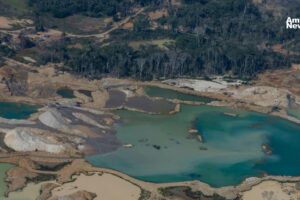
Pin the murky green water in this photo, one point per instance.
(66, 93)
(3, 186)
(163, 152)
(16, 110)
(171, 94)
(298, 75)
(295, 112)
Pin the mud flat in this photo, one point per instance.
(126, 99)
(145, 104)
(173, 94)
(116, 99)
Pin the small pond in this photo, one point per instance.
(66, 93)
(16, 110)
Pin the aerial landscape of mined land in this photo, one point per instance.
(149, 99)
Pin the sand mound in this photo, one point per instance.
(54, 119)
(26, 139)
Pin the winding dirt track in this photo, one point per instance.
(98, 35)
(115, 27)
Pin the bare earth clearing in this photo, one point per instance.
(48, 148)
(71, 126)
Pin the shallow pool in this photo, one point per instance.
(164, 152)
(66, 93)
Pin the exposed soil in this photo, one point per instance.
(89, 122)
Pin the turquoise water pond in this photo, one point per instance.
(171, 94)
(163, 152)
(16, 110)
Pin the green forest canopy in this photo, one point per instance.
(210, 37)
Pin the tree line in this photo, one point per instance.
(93, 8)
(209, 37)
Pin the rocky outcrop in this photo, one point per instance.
(194, 133)
(267, 149)
(28, 139)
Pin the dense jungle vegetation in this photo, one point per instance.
(205, 37)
